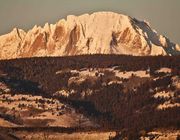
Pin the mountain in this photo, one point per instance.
(98, 33)
(90, 97)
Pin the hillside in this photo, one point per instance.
(130, 96)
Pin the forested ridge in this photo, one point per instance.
(115, 106)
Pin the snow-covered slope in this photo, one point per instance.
(101, 32)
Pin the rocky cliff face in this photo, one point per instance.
(98, 33)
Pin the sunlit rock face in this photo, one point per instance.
(98, 33)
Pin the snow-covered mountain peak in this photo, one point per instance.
(100, 32)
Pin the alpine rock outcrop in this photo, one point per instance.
(98, 33)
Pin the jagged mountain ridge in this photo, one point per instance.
(98, 33)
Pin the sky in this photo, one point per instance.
(163, 15)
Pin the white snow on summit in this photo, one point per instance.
(98, 33)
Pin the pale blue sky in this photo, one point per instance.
(163, 15)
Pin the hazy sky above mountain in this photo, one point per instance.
(163, 15)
